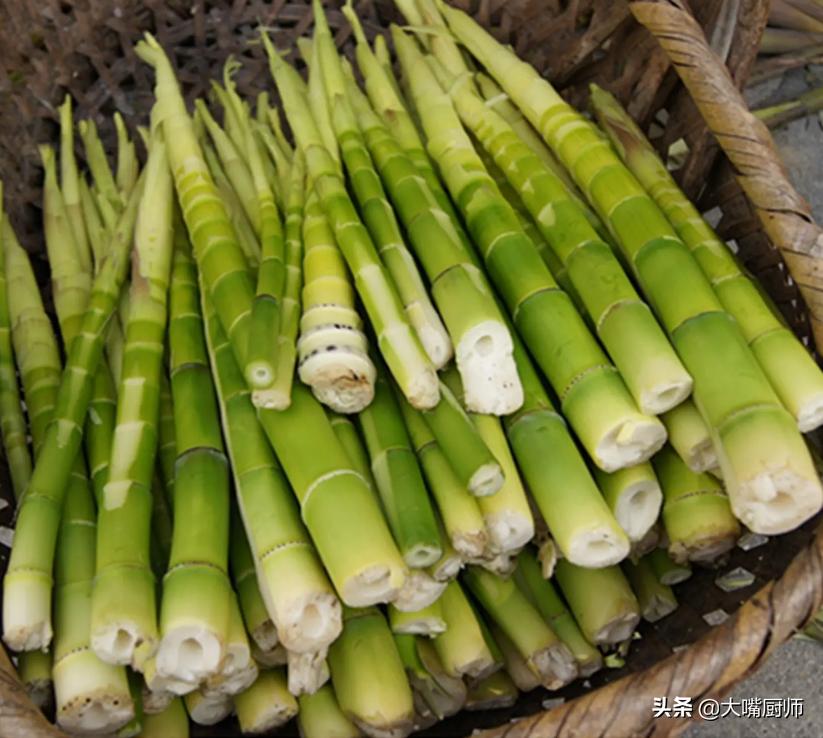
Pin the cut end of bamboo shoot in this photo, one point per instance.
(307, 672)
(769, 474)
(157, 682)
(342, 380)
(190, 653)
(638, 507)
(432, 335)
(40, 693)
(486, 480)
(555, 665)
(425, 624)
(92, 698)
(618, 629)
(27, 611)
(508, 530)
(272, 398)
(156, 701)
(702, 457)
(277, 656)
(449, 566)
(392, 731)
(419, 591)
(116, 643)
(658, 607)
(423, 389)
(597, 547)
(238, 681)
(630, 443)
(470, 545)
(311, 623)
(502, 564)
(373, 585)
(237, 673)
(265, 636)
(776, 501)
(547, 555)
(484, 359)
(810, 415)
(706, 549)
(663, 397)
(208, 710)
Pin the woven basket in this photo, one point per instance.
(654, 56)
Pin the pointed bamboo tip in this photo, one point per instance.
(354, 22)
(47, 157)
(447, 11)
(601, 97)
(148, 49)
(321, 23)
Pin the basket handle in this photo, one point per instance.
(785, 215)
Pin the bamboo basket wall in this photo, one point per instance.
(655, 56)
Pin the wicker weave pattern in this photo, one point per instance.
(84, 47)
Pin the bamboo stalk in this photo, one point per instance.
(515, 615)
(396, 340)
(506, 513)
(12, 422)
(656, 599)
(128, 166)
(786, 363)
(320, 716)
(459, 510)
(494, 692)
(696, 511)
(545, 598)
(172, 722)
(333, 350)
(216, 250)
(208, 710)
(368, 676)
(377, 213)
(296, 590)
(462, 648)
(329, 489)
(266, 705)
(690, 437)
(623, 322)
(666, 569)
(523, 676)
(307, 672)
(290, 314)
(89, 694)
(602, 601)
(577, 516)
(243, 229)
(634, 496)
(27, 584)
(592, 394)
(427, 621)
(396, 472)
(97, 162)
(256, 617)
(437, 695)
(237, 670)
